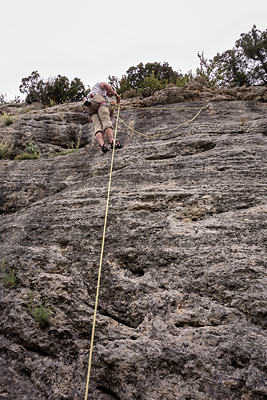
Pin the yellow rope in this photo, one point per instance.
(165, 133)
(100, 265)
(156, 108)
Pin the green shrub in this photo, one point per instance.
(27, 156)
(154, 75)
(184, 79)
(9, 274)
(7, 119)
(154, 83)
(54, 90)
(32, 153)
(38, 310)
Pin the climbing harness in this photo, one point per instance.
(106, 215)
(100, 263)
(88, 102)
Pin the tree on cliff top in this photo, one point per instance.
(55, 90)
(246, 63)
(254, 48)
(141, 76)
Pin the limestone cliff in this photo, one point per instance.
(182, 306)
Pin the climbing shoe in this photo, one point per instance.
(117, 145)
(104, 148)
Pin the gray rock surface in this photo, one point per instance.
(182, 306)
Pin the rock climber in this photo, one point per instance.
(97, 107)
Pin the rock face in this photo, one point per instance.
(182, 303)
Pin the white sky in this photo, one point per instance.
(94, 39)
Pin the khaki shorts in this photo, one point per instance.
(99, 114)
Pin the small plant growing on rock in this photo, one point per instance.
(5, 150)
(31, 153)
(72, 148)
(9, 274)
(38, 310)
(52, 103)
(7, 119)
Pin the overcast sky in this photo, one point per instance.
(94, 39)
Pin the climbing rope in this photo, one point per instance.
(168, 132)
(122, 107)
(100, 264)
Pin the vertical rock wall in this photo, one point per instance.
(182, 306)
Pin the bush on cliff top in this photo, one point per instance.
(53, 91)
